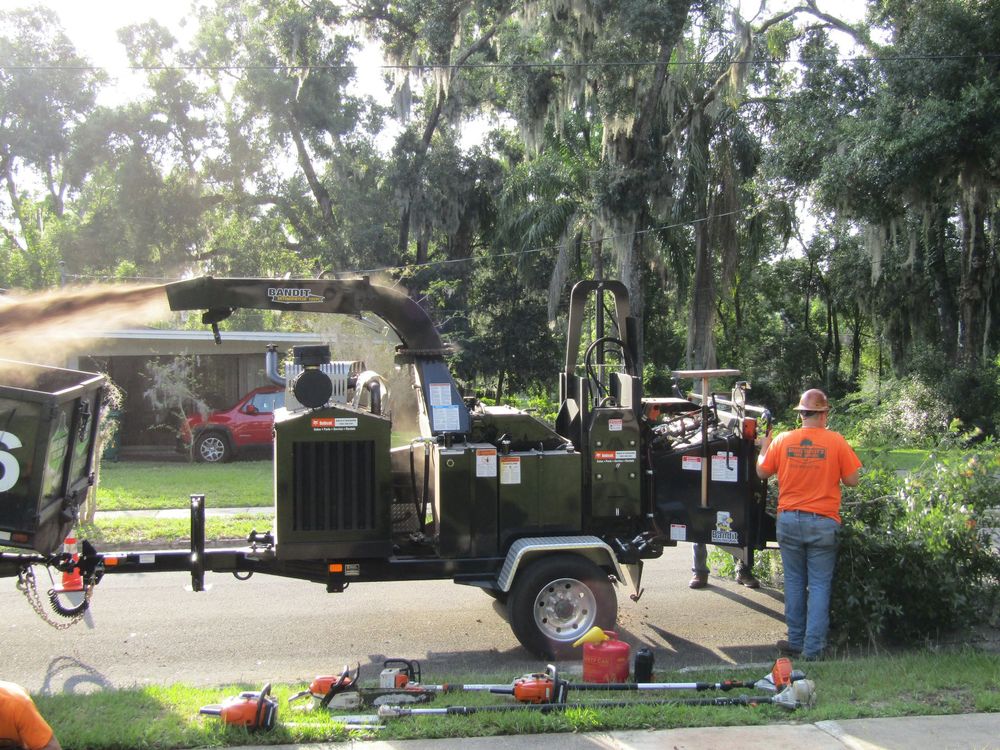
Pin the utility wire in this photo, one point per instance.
(530, 251)
(447, 261)
(490, 66)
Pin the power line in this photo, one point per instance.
(488, 66)
(531, 251)
(448, 261)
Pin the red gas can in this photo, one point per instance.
(606, 661)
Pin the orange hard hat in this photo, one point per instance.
(813, 400)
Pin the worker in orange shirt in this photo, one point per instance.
(21, 726)
(811, 463)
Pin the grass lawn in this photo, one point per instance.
(160, 717)
(149, 485)
(108, 533)
(899, 459)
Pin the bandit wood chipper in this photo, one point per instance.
(547, 519)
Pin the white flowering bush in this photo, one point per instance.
(901, 413)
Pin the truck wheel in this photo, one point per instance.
(212, 448)
(556, 600)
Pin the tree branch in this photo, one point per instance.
(319, 191)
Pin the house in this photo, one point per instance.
(224, 372)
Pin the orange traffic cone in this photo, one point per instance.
(71, 579)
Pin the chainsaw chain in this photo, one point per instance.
(27, 585)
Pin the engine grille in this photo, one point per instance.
(334, 486)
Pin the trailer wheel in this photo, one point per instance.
(556, 600)
(212, 448)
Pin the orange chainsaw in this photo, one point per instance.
(250, 709)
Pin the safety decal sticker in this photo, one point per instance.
(486, 462)
(440, 394)
(614, 425)
(334, 424)
(510, 470)
(445, 418)
(724, 467)
(614, 456)
(723, 532)
(290, 294)
(691, 463)
(678, 532)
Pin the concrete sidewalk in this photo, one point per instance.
(953, 732)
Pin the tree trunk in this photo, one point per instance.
(975, 277)
(942, 289)
(319, 191)
(857, 325)
(700, 342)
(7, 165)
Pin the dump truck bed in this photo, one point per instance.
(48, 431)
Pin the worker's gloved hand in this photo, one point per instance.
(765, 424)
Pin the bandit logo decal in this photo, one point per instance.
(289, 295)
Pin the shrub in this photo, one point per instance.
(916, 559)
(900, 413)
(936, 405)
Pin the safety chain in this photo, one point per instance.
(27, 585)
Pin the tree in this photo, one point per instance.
(46, 92)
(919, 155)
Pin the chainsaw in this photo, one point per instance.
(250, 709)
(399, 682)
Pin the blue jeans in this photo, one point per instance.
(808, 555)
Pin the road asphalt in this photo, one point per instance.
(953, 732)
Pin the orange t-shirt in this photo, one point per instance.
(810, 462)
(20, 720)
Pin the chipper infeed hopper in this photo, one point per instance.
(48, 431)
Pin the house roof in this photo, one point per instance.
(158, 341)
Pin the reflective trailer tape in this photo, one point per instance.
(5, 535)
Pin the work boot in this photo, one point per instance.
(698, 581)
(745, 578)
(787, 649)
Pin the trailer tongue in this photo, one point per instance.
(545, 519)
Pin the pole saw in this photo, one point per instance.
(799, 694)
(548, 687)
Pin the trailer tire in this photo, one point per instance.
(557, 599)
(212, 448)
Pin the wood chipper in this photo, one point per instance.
(547, 519)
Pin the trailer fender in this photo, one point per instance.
(524, 550)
